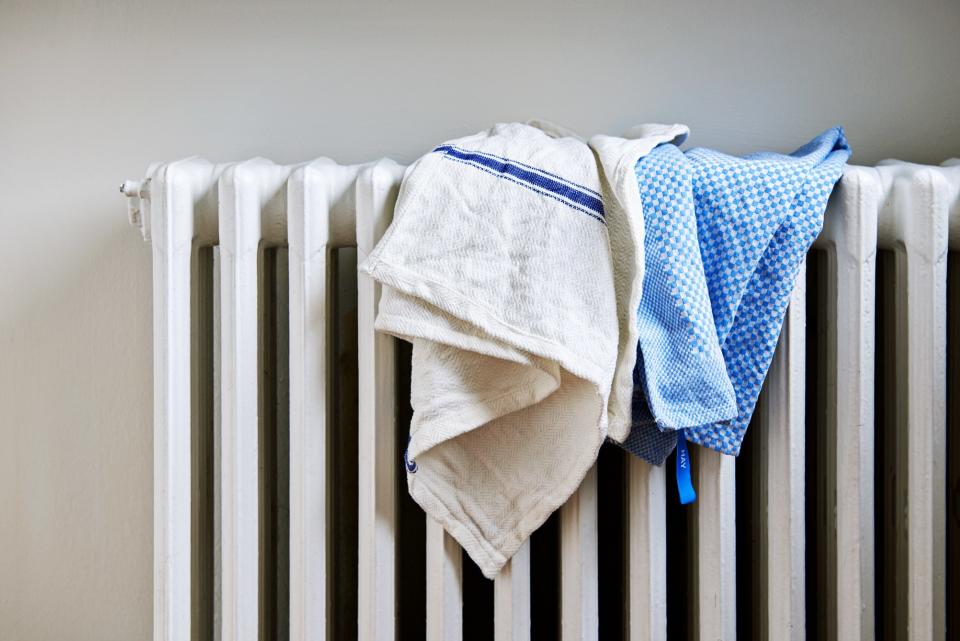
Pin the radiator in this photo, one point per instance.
(280, 510)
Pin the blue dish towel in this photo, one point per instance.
(724, 240)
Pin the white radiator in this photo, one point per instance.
(280, 510)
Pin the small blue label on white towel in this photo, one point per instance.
(409, 462)
(684, 484)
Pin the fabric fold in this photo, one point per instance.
(617, 158)
(756, 217)
(498, 269)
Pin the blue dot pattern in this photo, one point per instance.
(681, 376)
(756, 218)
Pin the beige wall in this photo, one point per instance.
(92, 92)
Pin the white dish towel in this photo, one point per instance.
(498, 268)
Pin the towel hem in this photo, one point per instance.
(488, 557)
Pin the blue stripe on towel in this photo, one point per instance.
(588, 212)
(526, 166)
(571, 194)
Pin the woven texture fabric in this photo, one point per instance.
(497, 267)
(755, 218)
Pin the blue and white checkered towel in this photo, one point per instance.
(725, 237)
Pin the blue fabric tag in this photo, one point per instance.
(410, 464)
(684, 484)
